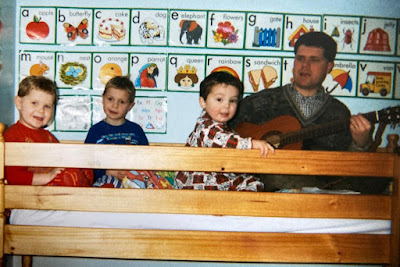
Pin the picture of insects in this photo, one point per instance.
(80, 31)
(348, 38)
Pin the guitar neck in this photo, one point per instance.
(321, 130)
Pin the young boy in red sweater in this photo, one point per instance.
(36, 102)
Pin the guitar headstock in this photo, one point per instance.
(390, 115)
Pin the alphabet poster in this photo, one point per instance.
(264, 31)
(187, 28)
(150, 113)
(36, 64)
(74, 26)
(226, 30)
(97, 109)
(73, 113)
(37, 25)
(375, 79)
(148, 71)
(344, 30)
(185, 72)
(107, 66)
(79, 113)
(397, 82)
(287, 70)
(378, 36)
(111, 26)
(167, 51)
(398, 38)
(297, 25)
(342, 80)
(73, 70)
(149, 27)
(261, 73)
(231, 64)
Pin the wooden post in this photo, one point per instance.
(393, 139)
(395, 232)
(26, 261)
(2, 194)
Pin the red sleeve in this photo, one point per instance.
(18, 175)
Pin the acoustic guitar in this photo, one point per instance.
(285, 132)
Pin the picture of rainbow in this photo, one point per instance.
(228, 70)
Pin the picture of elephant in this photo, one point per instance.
(193, 31)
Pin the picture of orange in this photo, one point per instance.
(108, 71)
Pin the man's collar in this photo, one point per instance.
(319, 93)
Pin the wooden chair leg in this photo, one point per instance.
(26, 261)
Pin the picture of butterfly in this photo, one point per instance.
(81, 30)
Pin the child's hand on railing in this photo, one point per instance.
(263, 146)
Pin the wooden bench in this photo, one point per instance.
(200, 245)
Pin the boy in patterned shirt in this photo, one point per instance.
(219, 95)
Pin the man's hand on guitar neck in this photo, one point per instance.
(360, 129)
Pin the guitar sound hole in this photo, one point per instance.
(272, 137)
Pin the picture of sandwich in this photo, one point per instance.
(254, 78)
(269, 76)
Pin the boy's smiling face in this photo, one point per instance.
(35, 109)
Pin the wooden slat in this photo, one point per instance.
(198, 159)
(197, 245)
(395, 232)
(2, 194)
(198, 202)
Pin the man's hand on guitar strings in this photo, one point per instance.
(360, 129)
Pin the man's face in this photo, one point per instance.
(310, 68)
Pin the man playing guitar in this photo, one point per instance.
(306, 100)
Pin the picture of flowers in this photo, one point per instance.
(225, 33)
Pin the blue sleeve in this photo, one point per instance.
(145, 141)
(92, 139)
(142, 137)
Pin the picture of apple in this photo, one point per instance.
(36, 29)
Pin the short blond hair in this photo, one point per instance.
(40, 83)
(122, 83)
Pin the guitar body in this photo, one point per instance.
(271, 130)
(286, 132)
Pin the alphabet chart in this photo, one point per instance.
(168, 52)
(150, 113)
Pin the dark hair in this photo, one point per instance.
(40, 83)
(191, 76)
(318, 39)
(122, 83)
(219, 77)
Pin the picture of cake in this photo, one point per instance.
(110, 29)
